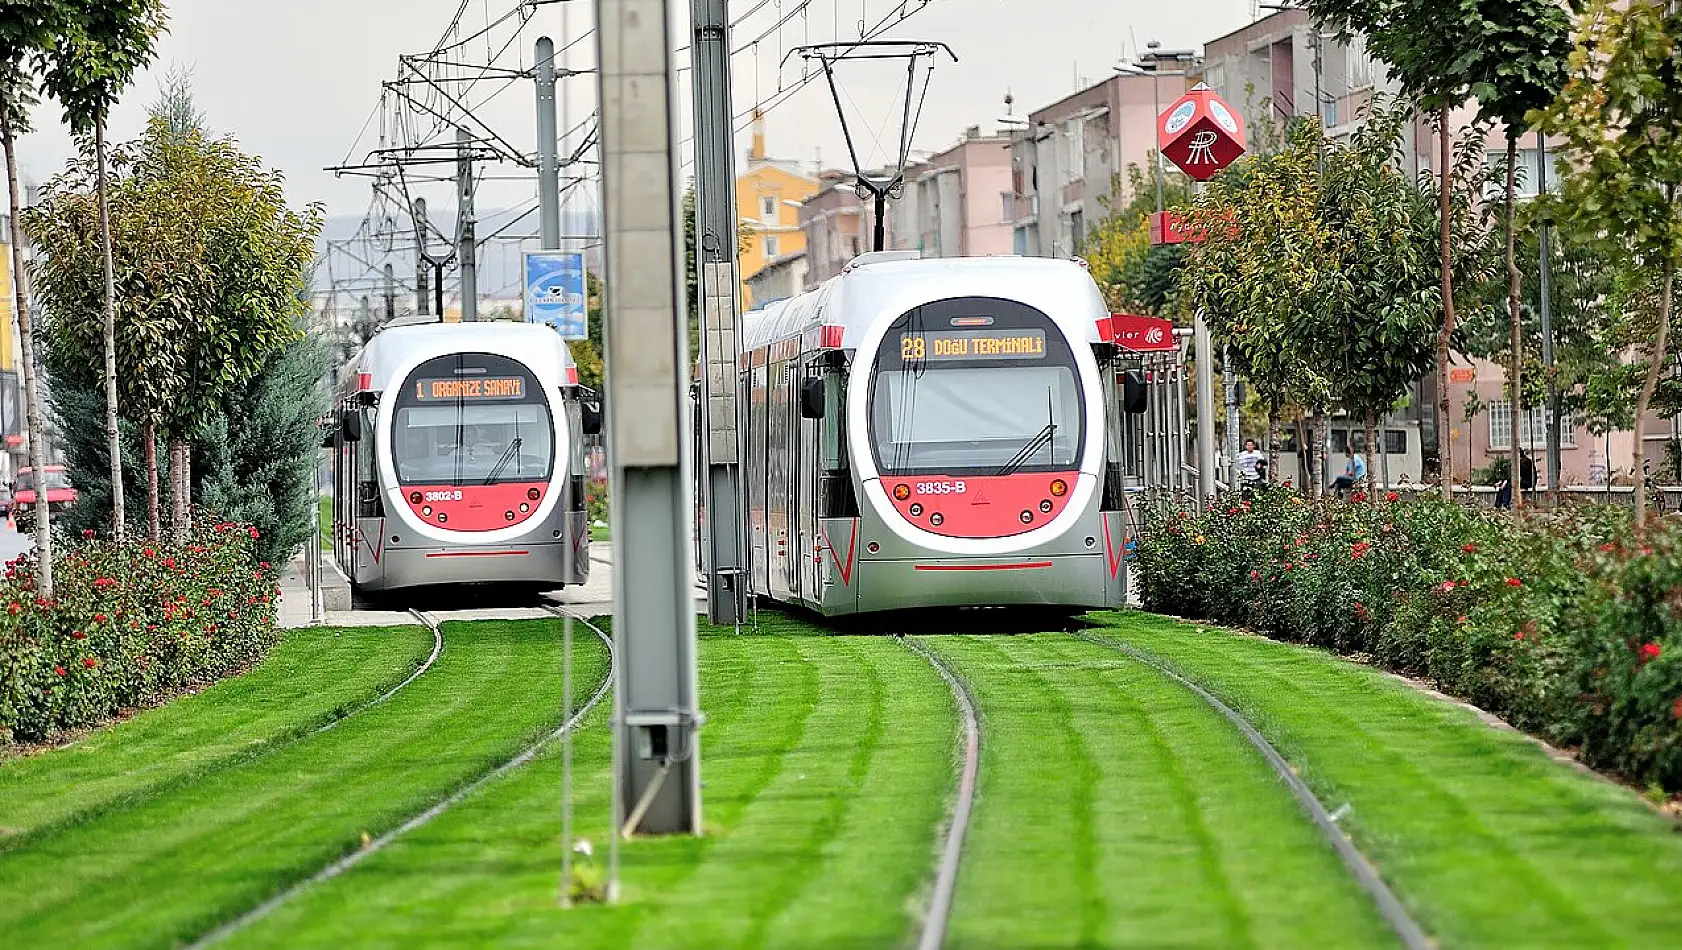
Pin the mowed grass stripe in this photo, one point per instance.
(1488, 841)
(174, 866)
(1190, 840)
(827, 765)
(310, 678)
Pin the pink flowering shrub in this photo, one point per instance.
(1559, 623)
(127, 623)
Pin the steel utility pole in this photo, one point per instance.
(715, 225)
(390, 294)
(548, 162)
(657, 721)
(1205, 356)
(464, 227)
(1544, 286)
(423, 266)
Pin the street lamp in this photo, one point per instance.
(1134, 69)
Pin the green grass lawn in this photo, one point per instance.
(828, 764)
(172, 865)
(325, 518)
(1489, 842)
(310, 678)
(1116, 809)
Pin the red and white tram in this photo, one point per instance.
(458, 459)
(936, 433)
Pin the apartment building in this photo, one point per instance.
(1066, 160)
(838, 226)
(960, 200)
(768, 196)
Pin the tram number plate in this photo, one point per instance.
(941, 488)
(442, 496)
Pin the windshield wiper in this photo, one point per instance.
(1040, 440)
(502, 463)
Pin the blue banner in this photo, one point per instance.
(555, 292)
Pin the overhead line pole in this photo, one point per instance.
(719, 288)
(657, 720)
(548, 145)
(465, 229)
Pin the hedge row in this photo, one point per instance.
(1562, 623)
(128, 622)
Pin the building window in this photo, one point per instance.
(770, 248)
(1533, 433)
(1021, 242)
(1525, 179)
(768, 210)
(1007, 206)
(1077, 230)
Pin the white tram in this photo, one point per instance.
(938, 433)
(458, 459)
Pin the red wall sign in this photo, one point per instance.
(1200, 133)
(1170, 227)
(1138, 333)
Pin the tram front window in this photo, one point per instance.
(975, 386)
(472, 444)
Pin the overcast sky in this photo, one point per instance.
(295, 81)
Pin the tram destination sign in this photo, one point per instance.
(471, 388)
(972, 345)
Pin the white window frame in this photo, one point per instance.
(770, 247)
(768, 210)
(1533, 433)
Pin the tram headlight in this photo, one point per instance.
(508, 515)
(935, 519)
(524, 507)
(902, 492)
(1027, 516)
(1059, 488)
(1045, 505)
(533, 494)
(415, 498)
(427, 511)
(442, 517)
(916, 511)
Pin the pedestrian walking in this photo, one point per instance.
(1252, 467)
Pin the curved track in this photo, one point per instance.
(351, 860)
(431, 624)
(946, 878)
(1400, 921)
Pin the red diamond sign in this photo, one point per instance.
(1200, 133)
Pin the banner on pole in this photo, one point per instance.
(555, 292)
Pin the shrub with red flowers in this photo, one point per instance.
(128, 623)
(1556, 622)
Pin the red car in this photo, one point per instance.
(60, 493)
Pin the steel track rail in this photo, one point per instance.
(946, 877)
(437, 629)
(1389, 907)
(356, 857)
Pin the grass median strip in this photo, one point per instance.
(1487, 840)
(172, 866)
(1116, 809)
(311, 677)
(827, 762)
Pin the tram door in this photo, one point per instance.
(806, 468)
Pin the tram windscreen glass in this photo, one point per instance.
(943, 345)
(975, 400)
(467, 419)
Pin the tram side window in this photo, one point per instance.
(367, 477)
(835, 484)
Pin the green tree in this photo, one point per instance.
(1621, 116)
(1524, 69)
(1435, 50)
(1255, 274)
(211, 262)
(1371, 332)
(97, 50)
(26, 28)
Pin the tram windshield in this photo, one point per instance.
(460, 421)
(975, 386)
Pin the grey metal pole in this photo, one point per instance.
(1156, 111)
(715, 216)
(390, 293)
(657, 721)
(465, 227)
(1544, 286)
(1205, 412)
(1229, 381)
(548, 162)
(423, 268)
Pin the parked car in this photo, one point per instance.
(56, 481)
